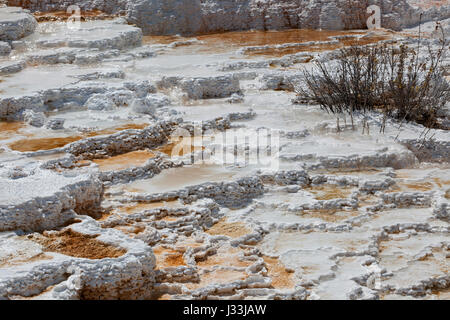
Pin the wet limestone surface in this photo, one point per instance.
(96, 170)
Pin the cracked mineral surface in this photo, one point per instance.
(109, 188)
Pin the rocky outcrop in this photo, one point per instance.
(15, 23)
(43, 199)
(203, 16)
(129, 276)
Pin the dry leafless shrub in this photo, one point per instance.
(403, 82)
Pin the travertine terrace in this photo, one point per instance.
(100, 198)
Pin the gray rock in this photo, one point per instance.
(55, 124)
(149, 104)
(15, 23)
(5, 48)
(100, 102)
(35, 119)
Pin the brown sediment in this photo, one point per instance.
(440, 182)
(330, 215)
(226, 41)
(443, 294)
(78, 245)
(169, 218)
(429, 3)
(165, 297)
(180, 146)
(419, 186)
(166, 257)
(130, 229)
(9, 129)
(124, 161)
(15, 261)
(411, 186)
(27, 145)
(104, 216)
(447, 194)
(253, 38)
(230, 229)
(329, 191)
(367, 200)
(30, 145)
(263, 38)
(281, 279)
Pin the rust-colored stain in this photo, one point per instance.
(180, 147)
(27, 145)
(230, 229)
(30, 145)
(124, 161)
(440, 182)
(131, 230)
(226, 41)
(413, 186)
(15, 261)
(263, 38)
(367, 200)
(330, 215)
(169, 218)
(166, 257)
(428, 4)
(78, 245)
(281, 279)
(104, 216)
(418, 186)
(9, 129)
(443, 294)
(447, 194)
(329, 191)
